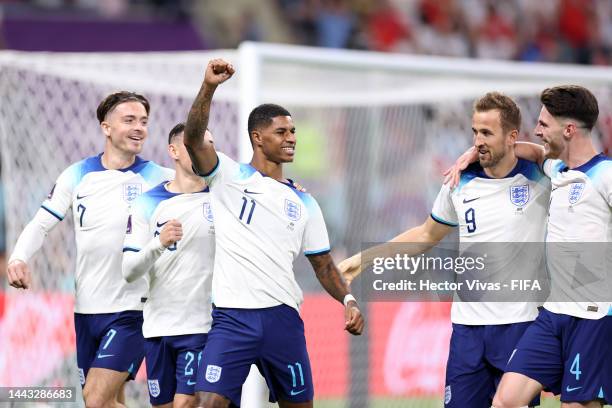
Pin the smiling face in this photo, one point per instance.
(490, 139)
(277, 140)
(551, 130)
(126, 127)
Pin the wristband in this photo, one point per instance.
(348, 298)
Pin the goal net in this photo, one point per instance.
(375, 131)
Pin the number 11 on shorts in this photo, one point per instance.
(293, 372)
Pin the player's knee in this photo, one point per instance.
(504, 400)
(184, 402)
(94, 400)
(211, 400)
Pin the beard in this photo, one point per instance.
(552, 150)
(490, 159)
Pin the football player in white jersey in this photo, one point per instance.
(100, 189)
(502, 199)
(567, 349)
(170, 238)
(262, 223)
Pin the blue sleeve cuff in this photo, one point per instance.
(53, 213)
(441, 221)
(317, 252)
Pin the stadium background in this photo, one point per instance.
(374, 170)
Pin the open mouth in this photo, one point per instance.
(288, 149)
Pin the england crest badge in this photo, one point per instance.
(213, 373)
(448, 395)
(293, 210)
(519, 195)
(208, 212)
(154, 388)
(576, 190)
(131, 191)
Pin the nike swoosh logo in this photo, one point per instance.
(81, 197)
(294, 393)
(104, 355)
(162, 224)
(246, 190)
(568, 389)
(189, 382)
(469, 201)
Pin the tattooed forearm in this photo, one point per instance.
(197, 120)
(329, 276)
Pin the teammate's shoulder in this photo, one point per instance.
(304, 196)
(598, 166)
(529, 169)
(75, 172)
(151, 171)
(474, 170)
(148, 201)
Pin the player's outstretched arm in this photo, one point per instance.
(202, 153)
(28, 243)
(421, 239)
(331, 279)
(530, 151)
(137, 262)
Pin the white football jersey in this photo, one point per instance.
(509, 210)
(580, 216)
(261, 226)
(180, 279)
(100, 199)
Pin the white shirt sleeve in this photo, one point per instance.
(551, 167)
(316, 240)
(225, 169)
(443, 210)
(59, 199)
(604, 182)
(53, 210)
(33, 235)
(140, 251)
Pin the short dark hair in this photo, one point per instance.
(571, 101)
(117, 98)
(176, 130)
(509, 112)
(262, 116)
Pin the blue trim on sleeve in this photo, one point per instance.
(602, 164)
(586, 167)
(213, 171)
(527, 168)
(441, 221)
(317, 252)
(129, 249)
(152, 172)
(246, 171)
(53, 213)
(147, 202)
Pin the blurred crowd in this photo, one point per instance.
(578, 31)
(574, 31)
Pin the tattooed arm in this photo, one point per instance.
(202, 153)
(331, 279)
